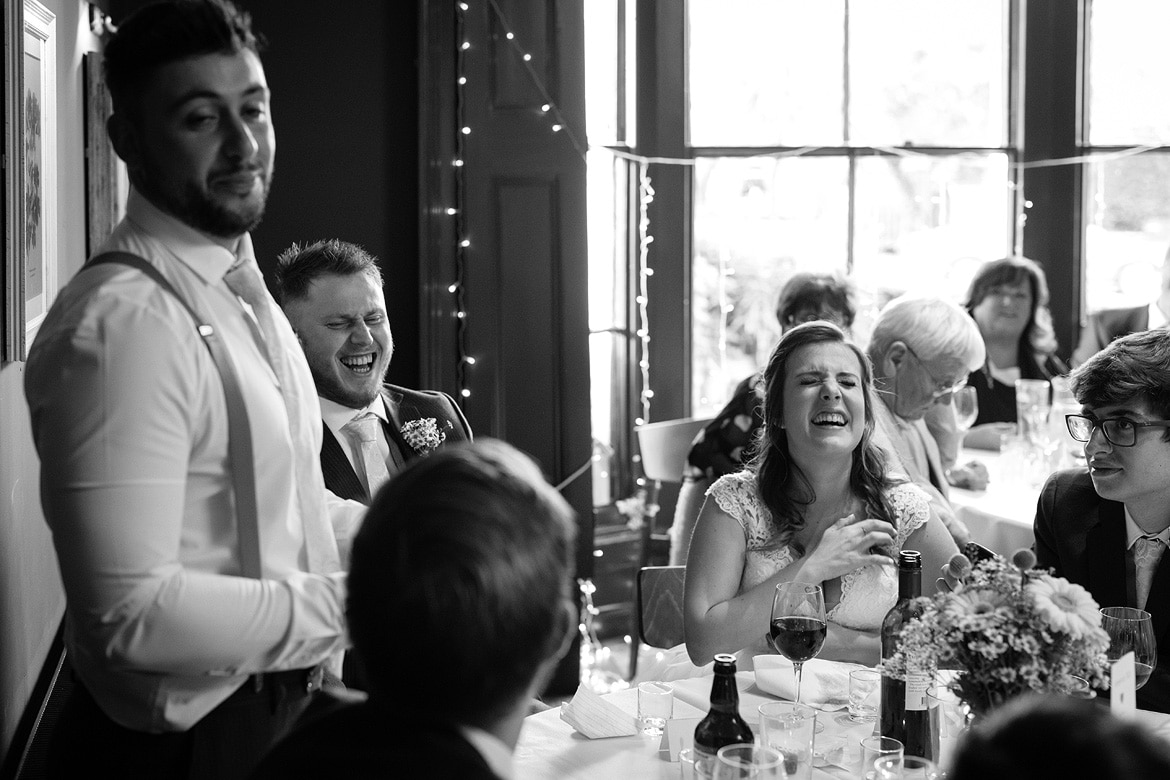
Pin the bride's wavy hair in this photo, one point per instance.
(784, 488)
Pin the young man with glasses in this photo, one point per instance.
(1107, 527)
(914, 381)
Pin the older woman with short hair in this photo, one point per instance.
(1008, 300)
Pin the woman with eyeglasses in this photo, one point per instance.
(1008, 300)
(1107, 527)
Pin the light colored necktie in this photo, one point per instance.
(322, 557)
(363, 432)
(1147, 552)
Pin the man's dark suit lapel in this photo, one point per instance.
(393, 427)
(1105, 549)
(339, 475)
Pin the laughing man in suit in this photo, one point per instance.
(1107, 528)
(331, 292)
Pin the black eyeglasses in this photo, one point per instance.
(1119, 431)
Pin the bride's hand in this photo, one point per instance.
(850, 544)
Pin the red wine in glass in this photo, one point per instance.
(797, 626)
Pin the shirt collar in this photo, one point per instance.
(337, 415)
(209, 257)
(1133, 533)
(495, 753)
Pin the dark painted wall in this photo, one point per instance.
(344, 81)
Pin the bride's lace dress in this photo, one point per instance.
(866, 593)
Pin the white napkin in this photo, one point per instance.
(824, 684)
(595, 717)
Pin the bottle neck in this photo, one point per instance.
(909, 583)
(724, 693)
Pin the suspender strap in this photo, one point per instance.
(239, 432)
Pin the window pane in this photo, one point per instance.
(927, 222)
(601, 72)
(1129, 72)
(757, 220)
(941, 80)
(766, 72)
(1128, 230)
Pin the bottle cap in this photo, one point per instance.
(909, 559)
(724, 660)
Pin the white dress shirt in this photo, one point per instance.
(496, 754)
(129, 419)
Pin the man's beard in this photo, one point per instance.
(194, 207)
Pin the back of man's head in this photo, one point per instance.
(298, 266)
(933, 327)
(1133, 367)
(458, 585)
(168, 31)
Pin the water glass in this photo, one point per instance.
(951, 716)
(864, 695)
(747, 761)
(873, 747)
(791, 729)
(655, 707)
(905, 768)
(1032, 405)
(687, 766)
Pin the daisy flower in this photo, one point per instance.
(1066, 607)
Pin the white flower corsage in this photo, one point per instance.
(423, 435)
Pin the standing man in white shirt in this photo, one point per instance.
(204, 587)
(331, 292)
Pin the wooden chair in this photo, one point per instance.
(660, 609)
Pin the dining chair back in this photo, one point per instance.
(660, 605)
(664, 446)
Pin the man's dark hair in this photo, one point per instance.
(165, 32)
(1134, 367)
(297, 266)
(461, 566)
(1055, 738)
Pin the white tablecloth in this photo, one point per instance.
(1001, 516)
(549, 749)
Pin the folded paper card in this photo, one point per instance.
(596, 717)
(824, 684)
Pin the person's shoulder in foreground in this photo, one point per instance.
(1059, 738)
(437, 553)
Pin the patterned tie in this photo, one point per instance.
(244, 280)
(1147, 552)
(363, 432)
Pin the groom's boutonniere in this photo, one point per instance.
(423, 435)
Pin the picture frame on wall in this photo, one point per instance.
(30, 186)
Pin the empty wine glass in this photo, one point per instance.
(749, 762)
(1131, 629)
(798, 628)
(966, 403)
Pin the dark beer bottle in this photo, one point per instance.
(723, 724)
(905, 715)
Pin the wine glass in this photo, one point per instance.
(966, 403)
(1131, 629)
(745, 761)
(798, 628)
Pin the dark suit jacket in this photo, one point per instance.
(1105, 326)
(403, 405)
(1081, 537)
(343, 739)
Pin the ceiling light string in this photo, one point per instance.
(457, 288)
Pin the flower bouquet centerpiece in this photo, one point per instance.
(1006, 629)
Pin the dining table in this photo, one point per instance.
(999, 516)
(550, 749)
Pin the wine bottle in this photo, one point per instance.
(905, 715)
(723, 724)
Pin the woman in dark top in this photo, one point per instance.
(725, 444)
(1008, 300)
